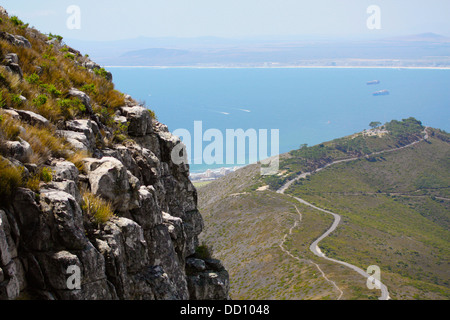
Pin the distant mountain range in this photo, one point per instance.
(427, 50)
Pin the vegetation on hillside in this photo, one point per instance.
(41, 81)
(394, 207)
(308, 159)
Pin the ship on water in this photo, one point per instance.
(381, 93)
(373, 82)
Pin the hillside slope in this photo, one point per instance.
(394, 209)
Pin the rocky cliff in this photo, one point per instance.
(146, 250)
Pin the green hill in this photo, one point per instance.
(393, 199)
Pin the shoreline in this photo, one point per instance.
(281, 67)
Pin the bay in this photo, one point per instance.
(307, 105)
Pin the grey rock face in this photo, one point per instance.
(140, 122)
(207, 280)
(209, 285)
(11, 271)
(146, 251)
(64, 219)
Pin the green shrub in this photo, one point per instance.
(71, 108)
(50, 88)
(55, 36)
(40, 100)
(49, 57)
(152, 114)
(33, 78)
(16, 21)
(15, 99)
(89, 88)
(70, 56)
(101, 72)
(46, 174)
(204, 252)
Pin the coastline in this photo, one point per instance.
(212, 174)
(280, 67)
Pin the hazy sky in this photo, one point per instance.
(113, 20)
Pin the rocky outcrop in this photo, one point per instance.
(207, 279)
(147, 251)
(17, 40)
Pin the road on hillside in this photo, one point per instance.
(337, 219)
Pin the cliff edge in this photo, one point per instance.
(115, 160)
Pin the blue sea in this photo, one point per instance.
(307, 105)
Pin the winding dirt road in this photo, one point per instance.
(337, 219)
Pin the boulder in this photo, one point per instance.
(21, 41)
(64, 170)
(140, 121)
(67, 186)
(88, 127)
(11, 58)
(3, 11)
(125, 252)
(15, 68)
(86, 132)
(110, 180)
(16, 40)
(19, 150)
(195, 265)
(77, 139)
(12, 113)
(83, 97)
(32, 118)
(65, 177)
(154, 283)
(209, 285)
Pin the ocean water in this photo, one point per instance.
(307, 105)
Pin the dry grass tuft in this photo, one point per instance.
(10, 179)
(97, 209)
